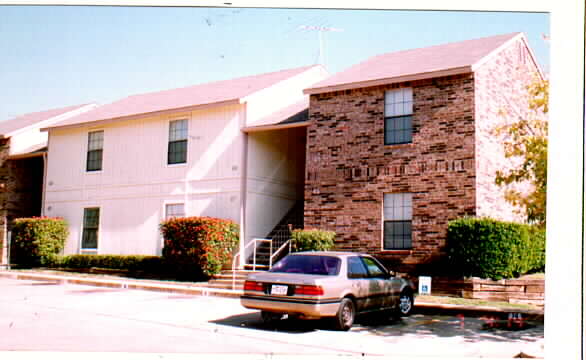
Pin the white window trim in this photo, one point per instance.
(168, 122)
(95, 251)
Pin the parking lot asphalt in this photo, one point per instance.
(200, 289)
(49, 315)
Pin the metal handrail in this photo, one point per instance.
(253, 241)
(287, 243)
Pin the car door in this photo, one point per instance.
(358, 280)
(380, 294)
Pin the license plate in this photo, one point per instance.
(279, 290)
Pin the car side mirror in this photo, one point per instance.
(392, 274)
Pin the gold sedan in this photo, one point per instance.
(324, 284)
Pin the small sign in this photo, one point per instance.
(424, 285)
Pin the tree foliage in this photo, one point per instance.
(526, 139)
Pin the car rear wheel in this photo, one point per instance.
(345, 316)
(405, 306)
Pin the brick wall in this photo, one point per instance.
(21, 185)
(349, 168)
(500, 98)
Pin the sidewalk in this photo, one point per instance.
(201, 289)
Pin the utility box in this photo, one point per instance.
(424, 285)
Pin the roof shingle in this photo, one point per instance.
(392, 66)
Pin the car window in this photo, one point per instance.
(374, 269)
(308, 264)
(356, 269)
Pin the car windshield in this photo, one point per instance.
(308, 264)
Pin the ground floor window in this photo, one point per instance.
(174, 211)
(397, 221)
(91, 223)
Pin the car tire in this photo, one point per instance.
(345, 316)
(405, 305)
(270, 317)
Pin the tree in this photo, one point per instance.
(526, 140)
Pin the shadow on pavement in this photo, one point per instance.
(472, 329)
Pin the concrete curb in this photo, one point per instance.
(202, 290)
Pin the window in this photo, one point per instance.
(374, 269)
(177, 151)
(95, 145)
(174, 211)
(397, 221)
(356, 269)
(91, 223)
(398, 116)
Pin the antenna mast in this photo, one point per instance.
(320, 30)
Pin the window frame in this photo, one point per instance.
(89, 151)
(396, 117)
(398, 217)
(171, 142)
(84, 228)
(167, 204)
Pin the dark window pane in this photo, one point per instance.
(94, 160)
(398, 130)
(308, 264)
(397, 235)
(177, 152)
(91, 222)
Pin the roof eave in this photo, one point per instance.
(252, 129)
(106, 121)
(392, 80)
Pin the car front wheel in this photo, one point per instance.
(345, 316)
(405, 305)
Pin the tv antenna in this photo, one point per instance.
(320, 30)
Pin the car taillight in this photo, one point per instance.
(309, 290)
(253, 286)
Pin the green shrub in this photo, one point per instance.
(36, 241)
(198, 246)
(494, 249)
(312, 240)
(131, 263)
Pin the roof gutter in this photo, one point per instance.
(102, 122)
(386, 81)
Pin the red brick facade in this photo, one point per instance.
(349, 168)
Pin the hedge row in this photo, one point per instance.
(35, 241)
(131, 263)
(494, 249)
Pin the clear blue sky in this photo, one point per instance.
(55, 56)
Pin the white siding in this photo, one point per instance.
(136, 182)
(275, 178)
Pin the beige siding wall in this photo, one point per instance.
(275, 178)
(280, 95)
(135, 182)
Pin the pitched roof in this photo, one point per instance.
(8, 127)
(439, 60)
(213, 93)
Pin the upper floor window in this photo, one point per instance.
(95, 148)
(397, 214)
(398, 116)
(177, 150)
